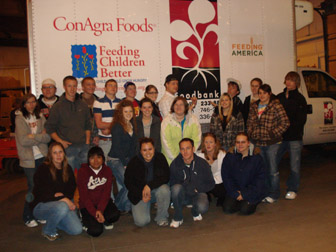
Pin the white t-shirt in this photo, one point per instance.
(32, 122)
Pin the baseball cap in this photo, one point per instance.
(170, 77)
(128, 83)
(49, 81)
(237, 82)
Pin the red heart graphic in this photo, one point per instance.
(84, 49)
(77, 56)
(91, 56)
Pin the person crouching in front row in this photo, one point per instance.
(94, 182)
(146, 179)
(243, 174)
(190, 179)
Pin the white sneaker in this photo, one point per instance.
(189, 206)
(198, 217)
(85, 228)
(31, 223)
(163, 223)
(290, 195)
(176, 224)
(269, 200)
(42, 221)
(108, 226)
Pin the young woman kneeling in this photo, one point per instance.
(146, 179)
(54, 187)
(243, 175)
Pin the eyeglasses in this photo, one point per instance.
(152, 93)
(31, 102)
(48, 87)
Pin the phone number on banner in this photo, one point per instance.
(205, 110)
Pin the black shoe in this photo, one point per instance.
(125, 212)
(220, 202)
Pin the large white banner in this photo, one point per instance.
(202, 42)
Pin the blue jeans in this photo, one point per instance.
(141, 211)
(294, 148)
(77, 155)
(200, 203)
(58, 216)
(29, 172)
(118, 170)
(269, 155)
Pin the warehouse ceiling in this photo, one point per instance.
(13, 23)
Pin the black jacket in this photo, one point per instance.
(45, 187)
(44, 108)
(296, 109)
(155, 130)
(124, 144)
(246, 175)
(197, 178)
(136, 175)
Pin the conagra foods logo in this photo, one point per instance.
(195, 49)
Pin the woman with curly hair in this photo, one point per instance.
(123, 149)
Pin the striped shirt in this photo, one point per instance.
(106, 107)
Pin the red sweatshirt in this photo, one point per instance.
(94, 190)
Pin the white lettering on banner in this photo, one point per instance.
(62, 24)
(199, 95)
(93, 183)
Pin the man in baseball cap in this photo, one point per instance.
(48, 97)
(171, 84)
(130, 92)
(234, 87)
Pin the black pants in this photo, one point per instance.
(243, 207)
(219, 192)
(94, 228)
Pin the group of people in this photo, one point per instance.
(129, 154)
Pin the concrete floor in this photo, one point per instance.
(304, 224)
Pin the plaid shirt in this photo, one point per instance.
(227, 138)
(267, 129)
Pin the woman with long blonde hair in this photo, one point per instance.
(227, 122)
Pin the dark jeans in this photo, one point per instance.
(29, 172)
(94, 228)
(244, 207)
(219, 192)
